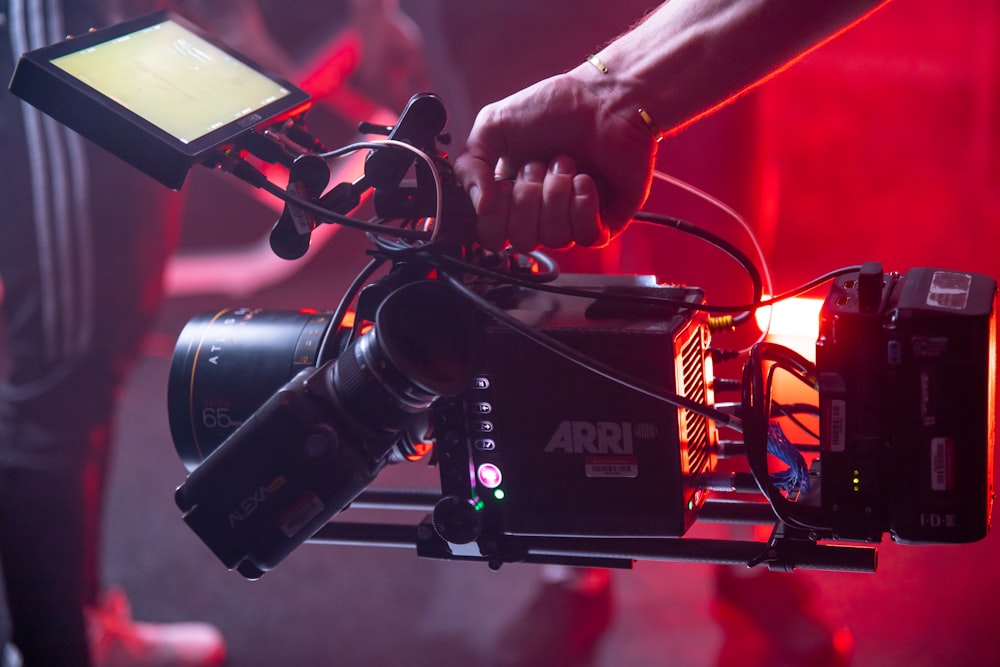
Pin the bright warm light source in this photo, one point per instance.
(794, 324)
(489, 475)
(798, 316)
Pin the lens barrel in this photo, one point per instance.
(226, 365)
(321, 438)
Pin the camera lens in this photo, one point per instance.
(226, 365)
(320, 439)
(423, 345)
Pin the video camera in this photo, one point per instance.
(572, 417)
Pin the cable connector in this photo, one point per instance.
(720, 323)
(233, 163)
(724, 354)
(726, 384)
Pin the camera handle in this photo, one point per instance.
(420, 124)
(292, 233)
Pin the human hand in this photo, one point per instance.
(556, 164)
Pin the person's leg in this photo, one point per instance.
(44, 589)
(41, 525)
(82, 261)
(134, 231)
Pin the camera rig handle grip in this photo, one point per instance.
(291, 234)
(419, 125)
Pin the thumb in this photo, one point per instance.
(476, 175)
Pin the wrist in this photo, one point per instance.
(619, 95)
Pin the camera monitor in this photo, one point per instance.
(156, 91)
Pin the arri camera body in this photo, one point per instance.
(529, 444)
(572, 418)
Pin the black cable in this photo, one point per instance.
(242, 169)
(590, 364)
(790, 411)
(469, 267)
(427, 250)
(394, 248)
(742, 258)
(799, 408)
(783, 449)
(337, 319)
(248, 173)
(725, 385)
(327, 215)
(796, 291)
(812, 284)
(510, 279)
(756, 416)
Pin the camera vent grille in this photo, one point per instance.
(695, 427)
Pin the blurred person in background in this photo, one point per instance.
(83, 247)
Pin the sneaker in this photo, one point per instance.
(118, 641)
(10, 657)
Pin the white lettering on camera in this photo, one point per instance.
(580, 437)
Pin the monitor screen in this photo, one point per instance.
(156, 91)
(173, 78)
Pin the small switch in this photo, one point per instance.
(870, 286)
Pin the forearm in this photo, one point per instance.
(690, 56)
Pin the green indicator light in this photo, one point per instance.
(479, 505)
(498, 494)
(690, 504)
